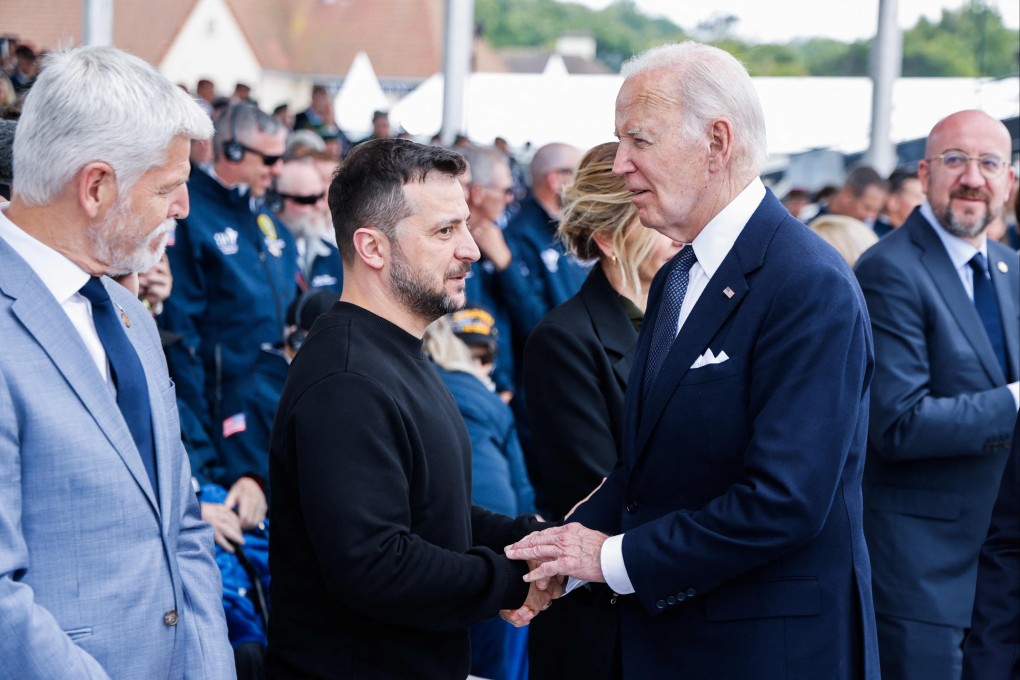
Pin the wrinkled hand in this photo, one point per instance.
(225, 523)
(540, 597)
(248, 500)
(569, 550)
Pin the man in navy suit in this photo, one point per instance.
(944, 311)
(731, 529)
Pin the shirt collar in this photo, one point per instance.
(60, 275)
(717, 238)
(960, 252)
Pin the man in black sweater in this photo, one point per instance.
(379, 561)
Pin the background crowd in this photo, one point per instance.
(538, 360)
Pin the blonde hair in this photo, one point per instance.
(849, 236)
(449, 351)
(598, 203)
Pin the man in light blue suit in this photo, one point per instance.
(106, 569)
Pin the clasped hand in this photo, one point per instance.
(569, 550)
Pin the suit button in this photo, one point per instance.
(691, 592)
(170, 618)
(680, 597)
(632, 507)
(671, 600)
(661, 604)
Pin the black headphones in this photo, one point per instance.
(233, 150)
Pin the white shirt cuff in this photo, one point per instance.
(1014, 389)
(613, 568)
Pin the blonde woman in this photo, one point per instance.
(576, 364)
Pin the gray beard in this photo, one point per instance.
(951, 223)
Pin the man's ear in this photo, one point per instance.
(720, 143)
(97, 189)
(372, 246)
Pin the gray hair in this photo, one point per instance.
(98, 104)
(710, 83)
(483, 161)
(238, 122)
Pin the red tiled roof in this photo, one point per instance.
(403, 38)
(145, 29)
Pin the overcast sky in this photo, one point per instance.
(782, 20)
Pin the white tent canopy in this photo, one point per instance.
(359, 96)
(800, 113)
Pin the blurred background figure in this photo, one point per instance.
(796, 200)
(301, 195)
(905, 194)
(576, 366)
(849, 236)
(862, 196)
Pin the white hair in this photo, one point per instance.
(98, 104)
(710, 83)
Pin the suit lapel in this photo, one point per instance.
(947, 281)
(35, 307)
(614, 329)
(1007, 289)
(710, 312)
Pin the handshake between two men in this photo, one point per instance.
(554, 554)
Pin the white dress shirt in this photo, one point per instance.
(64, 279)
(711, 247)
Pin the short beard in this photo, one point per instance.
(413, 290)
(951, 222)
(108, 243)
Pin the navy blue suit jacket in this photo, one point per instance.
(992, 651)
(739, 487)
(941, 418)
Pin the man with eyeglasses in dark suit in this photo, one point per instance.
(944, 311)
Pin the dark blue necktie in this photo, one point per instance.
(988, 308)
(128, 374)
(665, 330)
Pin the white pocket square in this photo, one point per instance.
(707, 359)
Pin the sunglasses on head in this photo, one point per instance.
(267, 159)
(304, 200)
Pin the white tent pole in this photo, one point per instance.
(456, 64)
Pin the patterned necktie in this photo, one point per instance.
(988, 308)
(665, 331)
(127, 372)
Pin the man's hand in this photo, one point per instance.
(489, 239)
(570, 550)
(226, 525)
(154, 286)
(247, 498)
(540, 597)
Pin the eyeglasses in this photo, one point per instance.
(508, 191)
(304, 200)
(267, 159)
(956, 162)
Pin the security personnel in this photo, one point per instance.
(235, 271)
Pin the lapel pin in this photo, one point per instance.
(1003, 267)
(124, 317)
(728, 292)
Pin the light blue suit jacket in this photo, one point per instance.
(91, 566)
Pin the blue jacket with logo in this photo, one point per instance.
(555, 276)
(235, 273)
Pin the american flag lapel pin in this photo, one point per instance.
(728, 292)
